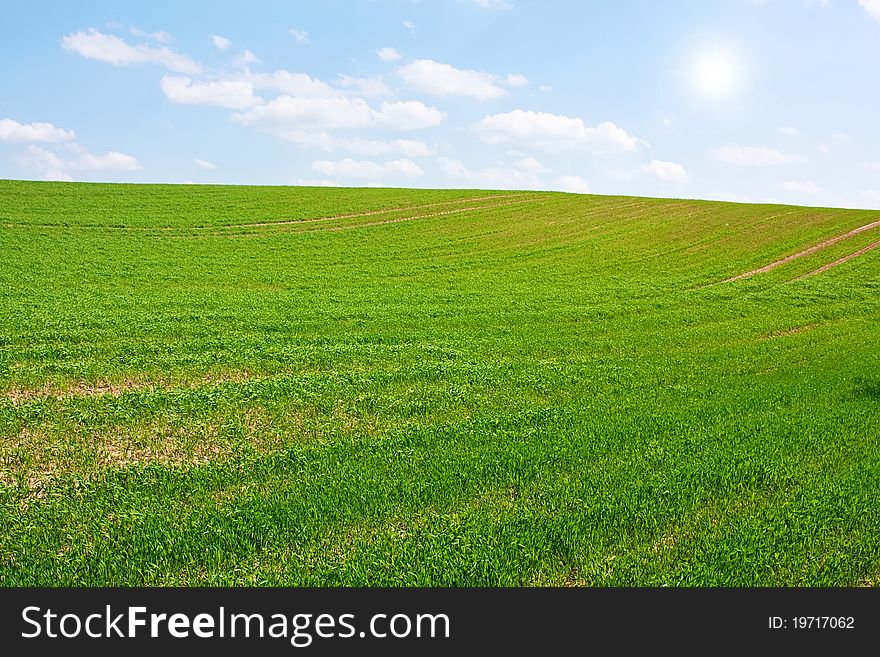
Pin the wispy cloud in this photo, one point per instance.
(110, 48)
(497, 177)
(373, 86)
(387, 54)
(50, 166)
(246, 58)
(554, 132)
(11, 130)
(493, 4)
(872, 7)
(349, 168)
(798, 187)
(221, 43)
(754, 156)
(290, 112)
(666, 171)
(234, 94)
(300, 36)
(440, 79)
(160, 36)
(573, 185)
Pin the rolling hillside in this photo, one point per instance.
(314, 386)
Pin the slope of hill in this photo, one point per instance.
(285, 386)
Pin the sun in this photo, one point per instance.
(716, 74)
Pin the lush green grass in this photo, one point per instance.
(534, 388)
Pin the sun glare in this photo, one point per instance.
(716, 74)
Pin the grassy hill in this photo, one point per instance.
(299, 386)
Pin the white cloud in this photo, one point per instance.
(49, 165)
(823, 148)
(374, 86)
(204, 164)
(245, 58)
(234, 94)
(410, 26)
(517, 80)
(221, 43)
(52, 167)
(110, 161)
(160, 36)
(872, 7)
(440, 79)
(493, 4)
(797, 187)
(349, 168)
(491, 177)
(307, 108)
(289, 112)
(112, 49)
(294, 84)
(553, 132)
(573, 184)
(301, 36)
(407, 147)
(408, 115)
(789, 131)
(371, 147)
(310, 138)
(404, 167)
(388, 54)
(754, 156)
(872, 165)
(286, 110)
(11, 130)
(530, 165)
(316, 182)
(666, 171)
(452, 168)
(545, 88)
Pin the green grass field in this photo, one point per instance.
(207, 385)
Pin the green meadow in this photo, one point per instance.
(211, 385)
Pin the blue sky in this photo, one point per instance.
(748, 100)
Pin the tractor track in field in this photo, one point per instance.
(441, 213)
(354, 215)
(307, 229)
(260, 224)
(839, 261)
(813, 249)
